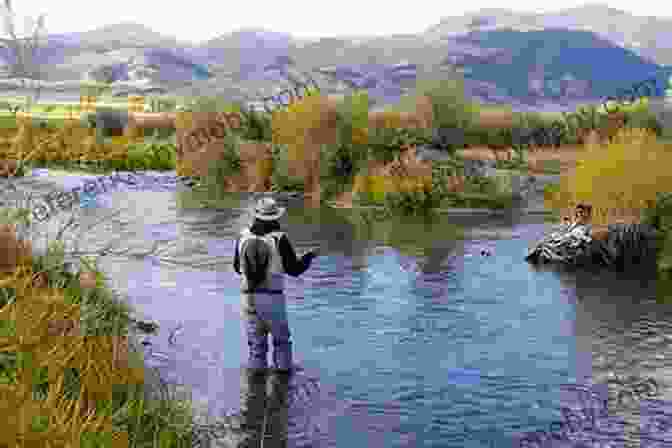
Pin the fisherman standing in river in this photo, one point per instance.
(263, 255)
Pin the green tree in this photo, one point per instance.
(449, 104)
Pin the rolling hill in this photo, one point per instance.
(577, 54)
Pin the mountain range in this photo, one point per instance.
(578, 54)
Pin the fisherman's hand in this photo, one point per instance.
(314, 253)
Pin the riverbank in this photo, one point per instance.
(80, 343)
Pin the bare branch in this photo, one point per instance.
(25, 48)
(8, 19)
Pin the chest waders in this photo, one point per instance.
(264, 310)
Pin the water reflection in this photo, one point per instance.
(264, 408)
(619, 330)
(437, 260)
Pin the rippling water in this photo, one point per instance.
(407, 335)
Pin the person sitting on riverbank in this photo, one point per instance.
(580, 224)
(570, 245)
(583, 214)
(616, 245)
(262, 256)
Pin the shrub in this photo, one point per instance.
(449, 104)
(257, 126)
(346, 156)
(659, 215)
(353, 115)
(229, 163)
(413, 202)
(281, 179)
(385, 144)
(152, 155)
(626, 173)
(642, 118)
(659, 212)
(290, 125)
(303, 127)
(338, 161)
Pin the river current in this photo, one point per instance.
(407, 334)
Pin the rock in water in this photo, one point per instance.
(625, 245)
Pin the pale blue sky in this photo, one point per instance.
(197, 20)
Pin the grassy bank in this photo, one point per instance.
(69, 372)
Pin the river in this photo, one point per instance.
(408, 336)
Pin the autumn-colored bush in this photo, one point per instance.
(345, 157)
(405, 174)
(304, 126)
(72, 142)
(619, 179)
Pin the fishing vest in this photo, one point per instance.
(275, 275)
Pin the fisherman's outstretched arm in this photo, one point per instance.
(293, 265)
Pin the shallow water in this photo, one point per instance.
(408, 336)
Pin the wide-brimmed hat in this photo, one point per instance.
(267, 210)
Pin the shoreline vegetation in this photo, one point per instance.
(69, 370)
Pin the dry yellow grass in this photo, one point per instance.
(619, 179)
(46, 330)
(43, 327)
